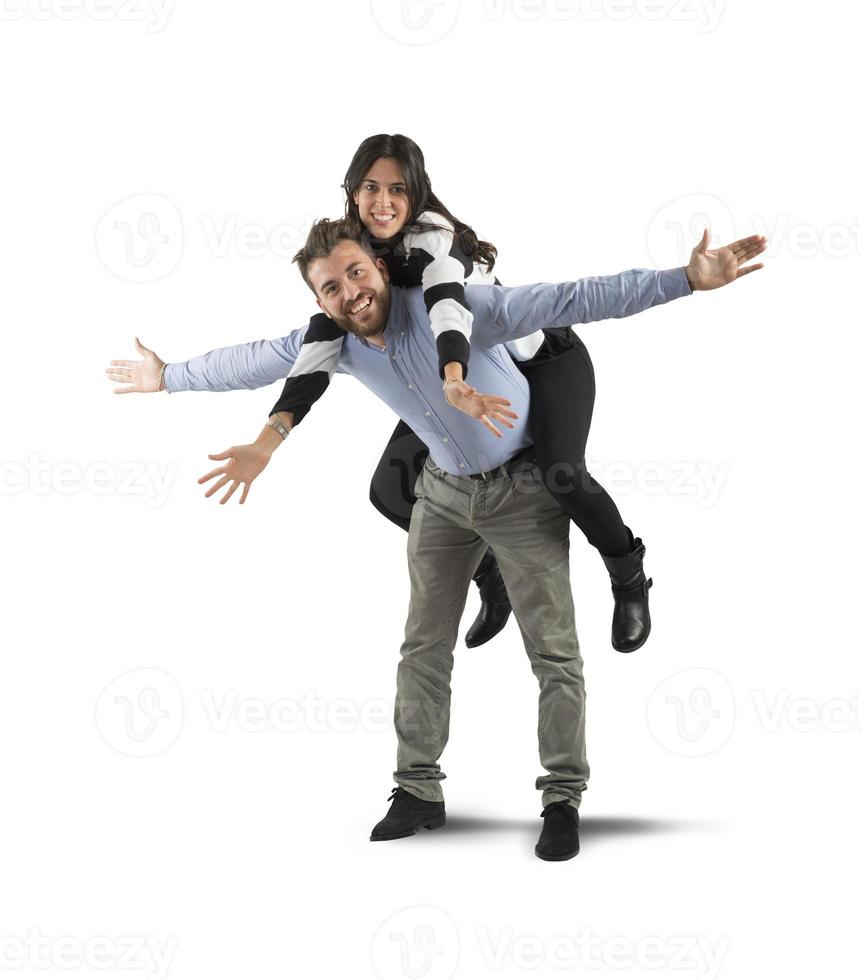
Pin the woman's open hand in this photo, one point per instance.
(466, 399)
(244, 465)
(137, 375)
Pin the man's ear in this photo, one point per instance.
(384, 270)
(323, 308)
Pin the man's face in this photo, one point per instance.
(353, 289)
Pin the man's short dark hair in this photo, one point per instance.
(324, 235)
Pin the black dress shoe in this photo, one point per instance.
(560, 837)
(631, 621)
(406, 814)
(495, 607)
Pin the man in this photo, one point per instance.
(475, 490)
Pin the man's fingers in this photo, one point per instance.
(124, 363)
(141, 348)
(750, 240)
(703, 243)
(748, 251)
(750, 268)
(245, 490)
(209, 476)
(217, 486)
(229, 493)
(743, 254)
(124, 391)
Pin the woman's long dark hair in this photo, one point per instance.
(409, 156)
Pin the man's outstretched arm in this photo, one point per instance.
(251, 365)
(502, 313)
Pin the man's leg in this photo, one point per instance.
(528, 531)
(443, 552)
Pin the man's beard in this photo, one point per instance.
(375, 324)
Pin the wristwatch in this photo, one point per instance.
(276, 423)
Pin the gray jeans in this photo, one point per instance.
(453, 521)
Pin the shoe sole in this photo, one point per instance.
(557, 857)
(434, 824)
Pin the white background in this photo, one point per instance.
(194, 710)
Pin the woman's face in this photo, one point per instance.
(382, 198)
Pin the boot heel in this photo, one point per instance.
(435, 823)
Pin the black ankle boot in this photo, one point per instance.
(495, 607)
(631, 620)
(406, 814)
(560, 836)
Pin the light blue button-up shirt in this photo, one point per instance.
(406, 374)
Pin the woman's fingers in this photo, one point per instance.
(486, 422)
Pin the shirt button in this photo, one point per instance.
(460, 465)
(445, 439)
(427, 413)
(410, 387)
(394, 356)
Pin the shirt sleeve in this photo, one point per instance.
(505, 313)
(444, 267)
(251, 365)
(312, 371)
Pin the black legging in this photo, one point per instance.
(562, 397)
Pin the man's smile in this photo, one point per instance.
(359, 310)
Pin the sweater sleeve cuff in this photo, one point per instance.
(451, 345)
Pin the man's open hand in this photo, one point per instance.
(137, 375)
(244, 465)
(482, 407)
(715, 267)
